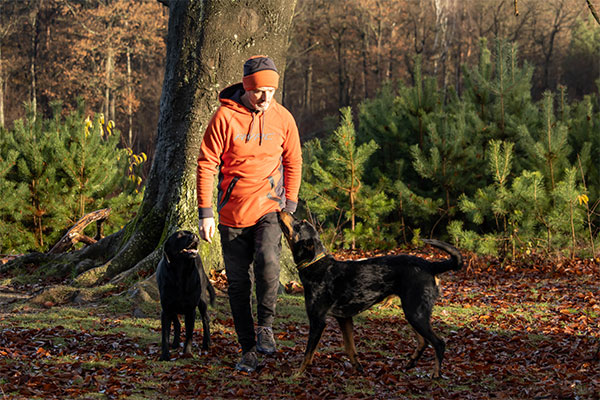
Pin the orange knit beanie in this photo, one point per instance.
(260, 71)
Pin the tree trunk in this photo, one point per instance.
(207, 44)
(108, 68)
(33, 18)
(2, 85)
(129, 100)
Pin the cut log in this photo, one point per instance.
(75, 234)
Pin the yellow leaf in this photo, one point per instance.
(583, 199)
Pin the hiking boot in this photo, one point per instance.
(265, 343)
(249, 361)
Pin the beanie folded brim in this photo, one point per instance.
(262, 78)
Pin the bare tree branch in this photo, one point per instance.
(593, 10)
(516, 8)
(87, 28)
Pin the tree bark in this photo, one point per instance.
(207, 44)
(33, 19)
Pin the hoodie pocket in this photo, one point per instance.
(227, 193)
(276, 193)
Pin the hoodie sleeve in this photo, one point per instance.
(209, 160)
(292, 165)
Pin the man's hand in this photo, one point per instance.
(207, 228)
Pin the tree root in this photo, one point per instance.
(145, 297)
(140, 269)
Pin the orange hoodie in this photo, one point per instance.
(258, 157)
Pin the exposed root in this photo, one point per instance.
(147, 264)
(145, 297)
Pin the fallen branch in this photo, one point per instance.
(75, 234)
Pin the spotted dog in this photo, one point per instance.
(343, 289)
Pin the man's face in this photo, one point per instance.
(260, 98)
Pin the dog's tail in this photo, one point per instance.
(454, 263)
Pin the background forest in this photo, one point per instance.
(446, 118)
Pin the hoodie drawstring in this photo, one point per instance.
(262, 129)
(261, 125)
(250, 130)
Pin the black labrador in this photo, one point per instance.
(183, 286)
(343, 289)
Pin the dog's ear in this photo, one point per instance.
(286, 221)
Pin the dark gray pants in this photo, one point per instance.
(245, 250)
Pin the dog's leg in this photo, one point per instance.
(203, 308)
(317, 325)
(190, 318)
(440, 347)
(176, 332)
(421, 344)
(348, 335)
(165, 323)
(422, 326)
(417, 309)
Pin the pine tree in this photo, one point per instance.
(94, 172)
(567, 217)
(35, 169)
(452, 158)
(511, 211)
(398, 120)
(522, 214)
(333, 186)
(419, 102)
(500, 92)
(13, 199)
(547, 146)
(583, 138)
(383, 120)
(61, 169)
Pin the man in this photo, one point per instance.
(253, 142)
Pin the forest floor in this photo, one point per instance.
(513, 331)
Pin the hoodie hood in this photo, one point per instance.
(231, 97)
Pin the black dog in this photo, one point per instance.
(183, 285)
(346, 288)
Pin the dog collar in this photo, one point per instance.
(306, 264)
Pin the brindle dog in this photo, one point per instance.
(343, 289)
